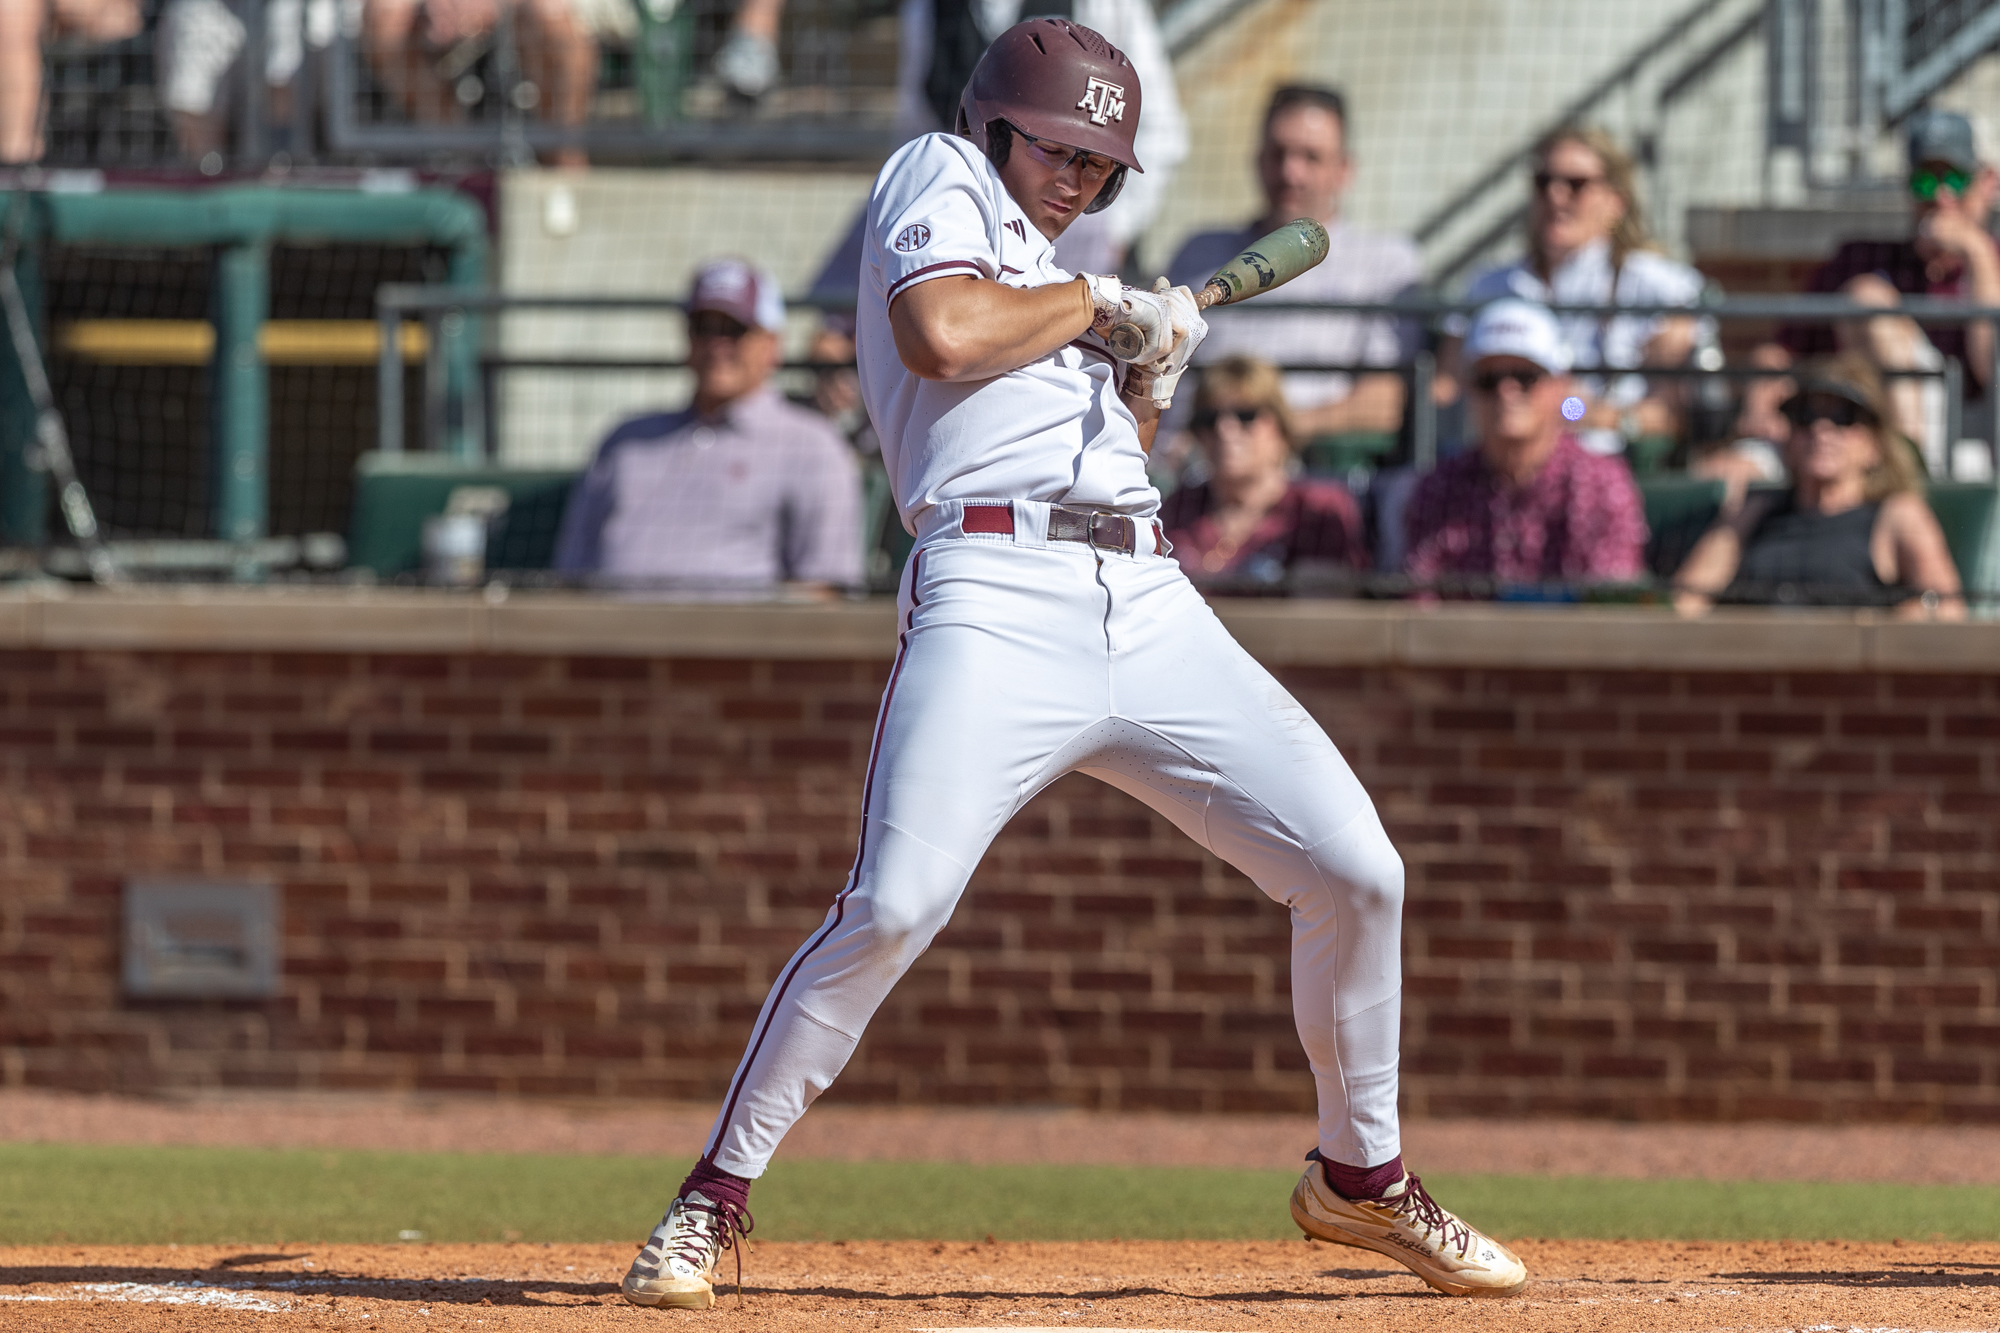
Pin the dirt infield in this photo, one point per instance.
(1278, 1286)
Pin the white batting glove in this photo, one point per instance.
(1169, 325)
(1116, 304)
(1189, 328)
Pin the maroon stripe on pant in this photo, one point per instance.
(853, 876)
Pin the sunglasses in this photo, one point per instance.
(1205, 421)
(1489, 381)
(1571, 184)
(1925, 182)
(1802, 413)
(712, 324)
(1058, 156)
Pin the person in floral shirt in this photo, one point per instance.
(1255, 522)
(1530, 505)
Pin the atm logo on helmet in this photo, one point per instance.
(1104, 101)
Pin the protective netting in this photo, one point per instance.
(130, 337)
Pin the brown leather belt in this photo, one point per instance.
(1105, 532)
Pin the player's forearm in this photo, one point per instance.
(1137, 397)
(957, 329)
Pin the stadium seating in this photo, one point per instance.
(395, 493)
(1969, 513)
(1680, 508)
(1337, 455)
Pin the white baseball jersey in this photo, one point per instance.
(1053, 430)
(1023, 657)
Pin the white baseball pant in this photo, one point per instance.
(1022, 660)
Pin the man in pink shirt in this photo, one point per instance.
(1530, 505)
(738, 492)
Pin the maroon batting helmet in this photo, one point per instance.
(1055, 80)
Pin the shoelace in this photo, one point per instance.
(726, 1223)
(1416, 1201)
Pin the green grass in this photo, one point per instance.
(136, 1195)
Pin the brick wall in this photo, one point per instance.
(1694, 895)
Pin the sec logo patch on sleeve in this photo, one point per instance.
(913, 237)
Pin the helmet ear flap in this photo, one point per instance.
(1107, 193)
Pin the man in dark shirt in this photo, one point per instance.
(1949, 254)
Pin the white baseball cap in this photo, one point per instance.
(741, 290)
(1512, 327)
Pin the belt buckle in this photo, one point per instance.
(1128, 537)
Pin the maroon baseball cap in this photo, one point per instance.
(741, 290)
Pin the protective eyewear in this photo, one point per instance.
(1058, 156)
(1802, 412)
(1571, 184)
(1205, 421)
(1489, 381)
(1925, 182)
(715, 324)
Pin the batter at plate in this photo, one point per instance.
(1044, 631)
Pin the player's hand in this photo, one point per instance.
(1188, 329)
(1114, 304)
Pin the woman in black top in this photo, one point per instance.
(1853, 530)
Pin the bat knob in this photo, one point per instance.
(1126, 341)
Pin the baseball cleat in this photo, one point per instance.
(676, 1267)
(1408, 1225)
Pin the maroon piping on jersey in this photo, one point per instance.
(1082, 346)
(853, 877)
(908, 278)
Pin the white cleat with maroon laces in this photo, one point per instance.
(676, 1267)
(1407, 1225)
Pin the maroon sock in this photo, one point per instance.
(1359, 1182)
(718, 1185)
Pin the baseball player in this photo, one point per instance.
(1044, 631)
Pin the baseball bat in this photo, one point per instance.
(1269, 263)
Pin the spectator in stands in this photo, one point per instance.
(1529, 505)
(1949, 254)
(1853, 529)
(197, 47)
(1304, 168)
(1255, 520)
(1588, 245)
(24, 26)
(416, 45)
(740, 490)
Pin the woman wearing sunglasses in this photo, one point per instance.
(1853, 530)
(1255, 521)
(1588, 245)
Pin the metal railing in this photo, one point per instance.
(457, 421)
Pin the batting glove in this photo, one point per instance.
(1189, 328)
(1137, 324)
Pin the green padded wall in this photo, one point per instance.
(395, 493)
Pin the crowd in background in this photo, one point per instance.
(1819, 465)
(1291, 465)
